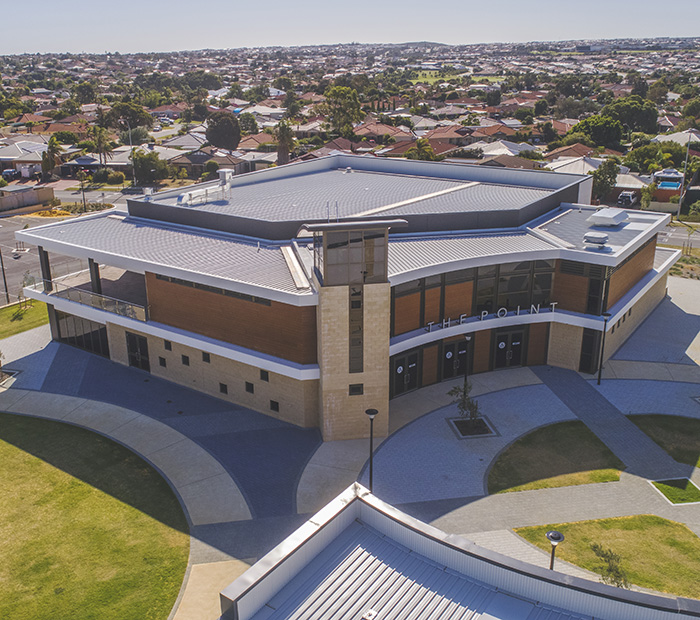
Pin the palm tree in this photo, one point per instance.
(285, 142)
(51, 157)
(103, 143)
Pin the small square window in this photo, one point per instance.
(168, 345)
(612, 331)
(274, 405)
(161, 361)
(223, 388)
(629, 312)
(206, 357)
(356, 389)
(264, 375)
(249, 387)
(624, 318)
(186, 360)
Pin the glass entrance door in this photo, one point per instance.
(509, 349)
(137, 350)
(454, 359)
(405, 373)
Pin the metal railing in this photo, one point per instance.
(55, 288)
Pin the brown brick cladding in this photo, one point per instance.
(570, 291)
(279, 329)
(407, 309)
(626, 276)
(537, 344)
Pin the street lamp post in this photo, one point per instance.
(606, 316)
(555, 538)
(371, 413)
(468, 338)
(4, 278)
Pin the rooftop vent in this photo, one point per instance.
(226, 176)
(609, 216)
(595, 238)
(347, 170)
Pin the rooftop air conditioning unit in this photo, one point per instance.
(609, 216)
(595, 238)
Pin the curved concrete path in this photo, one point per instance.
(208, 494)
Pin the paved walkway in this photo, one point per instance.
(634, 448)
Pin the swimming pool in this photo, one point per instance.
(669, 185)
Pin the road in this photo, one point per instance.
(678, 235)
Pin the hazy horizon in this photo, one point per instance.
(174, 25)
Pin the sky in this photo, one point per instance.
(171, 25)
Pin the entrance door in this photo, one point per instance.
(454, 359)
(137, 350)
(405, 373)
(509, 349)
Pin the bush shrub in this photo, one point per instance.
(100, 175)
(116, 178)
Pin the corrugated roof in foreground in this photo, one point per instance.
(411, 253)
(363, 570)
(191, 250)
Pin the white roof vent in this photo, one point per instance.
(595, 238)
(347, 170)
(609, 216)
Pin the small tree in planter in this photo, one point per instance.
(469, 411)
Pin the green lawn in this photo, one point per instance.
(678, 490)
(558, 455)
(656, 553)
(89, 531)
(13, 320)
(678, 436)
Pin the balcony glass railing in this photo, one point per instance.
(56, 288)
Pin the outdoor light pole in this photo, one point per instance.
(468, 338)
(555, 538)
(4, 278)
(606, 316)
(371, 413)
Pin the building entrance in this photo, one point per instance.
(454, 359)
(137, 350)
(405, 373)
(509, 349)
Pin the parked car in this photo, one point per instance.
(627, 199)
(11, 174)
(157, 128)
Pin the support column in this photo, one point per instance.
(95, 276)
(45, 265)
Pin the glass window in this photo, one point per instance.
(463, 275)
(356, 389)
(223, 388)
(274, 405)
(167, 345)
(407, 288)
(513, 291)
(249, 387)
(206, 357)
(185, 360)
(542, 289)
(162, 362)
(264, 375)
(544, 265)
(486, 287)
(488, 270)
(433, 281)
(508, 268)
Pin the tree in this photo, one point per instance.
(223, 130)
(611, 571)
(66, 137)
(468, 407)
(148, 167)
(51, 157)
(124, 115)
(493, 97)
(648, 195)
(247, 123)
(692, 108)
(285, 142)
(85, 93)
(657, 92)
(548, 132)
(291, 104)
(342, 109)
(422, 150)
(103, 143)
(604, 178)
(602, 130)
(137, 135)
(541, 107)
(637, 113)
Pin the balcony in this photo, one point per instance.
(123, 292)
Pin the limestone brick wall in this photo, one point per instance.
(633, 318)
(565, 346)
(298, 400)
(343, 416)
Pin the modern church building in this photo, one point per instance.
(316, 290)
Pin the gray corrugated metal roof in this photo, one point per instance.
(479, 197)
(362, 570)
(409, 254)
(571, 225)
(308, 196)
(156, 244)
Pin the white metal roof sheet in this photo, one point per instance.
(155, 244)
